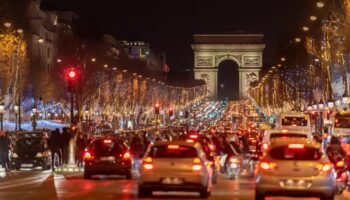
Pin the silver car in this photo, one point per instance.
(175, 166)
(295, 167)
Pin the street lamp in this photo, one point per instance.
(2, 108)
(34, 110)
(16, 108)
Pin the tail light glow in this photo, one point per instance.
(234, 160)
(340, 164)
(147, 163)
(267, 165)
(325, 167)
(196, 164)
(173, 146)
(88, 156)
(193, 136)
(296, 146)
(126, 156)
(107, 141)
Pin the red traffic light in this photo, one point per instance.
(157, 105)
(170, 109)
(72, 74)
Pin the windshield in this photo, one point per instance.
(165, 151)
(107, 147)
(287, 153)
(342, 121)
(294, 121)
(30, 143)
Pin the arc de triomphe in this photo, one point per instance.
(244, 49)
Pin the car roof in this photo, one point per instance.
(275, 142)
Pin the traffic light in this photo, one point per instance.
(71, 76)
(156, 108)
(313, 114)
(171, 111)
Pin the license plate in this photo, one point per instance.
(26, 165)
(172, 181)
(295, 184)
(110, 158)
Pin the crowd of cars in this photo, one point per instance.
(284, 161)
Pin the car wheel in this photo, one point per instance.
(204, 193)
(142, 193)
(259, 196)
(325, 197)
(128, 175)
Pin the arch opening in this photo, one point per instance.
(228, 80)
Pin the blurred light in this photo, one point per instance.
(105, 65)
(313, 18)
(41, 40)
(317, 60)
(283, 59)
(305, 28)
(7, 24)
(20, 31)
(320, 4)
(125, 70)
(297, 40)
(59, 60)
(93, 59)
(114, 68)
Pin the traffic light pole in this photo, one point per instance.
(72, 108)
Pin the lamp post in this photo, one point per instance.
(34, 110)
(16, 108)
(2, 108)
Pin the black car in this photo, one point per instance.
(107, 156)
(31, 150)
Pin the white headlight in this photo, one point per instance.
(39, 155)
(14, 155)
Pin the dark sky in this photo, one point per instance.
(170, 24)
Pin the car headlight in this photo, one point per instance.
(39, 155)
(14, 155)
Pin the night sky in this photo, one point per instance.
(169, 24)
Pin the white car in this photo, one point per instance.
(295, 167)
(175, 166)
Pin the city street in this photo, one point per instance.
(45, 185)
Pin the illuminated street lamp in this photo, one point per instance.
(7, 24)
(2, 109)
(313, 18)
(320, 4)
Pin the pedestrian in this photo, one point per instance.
(54, 145)
(65, 139)
(80, 146)
(4, 151)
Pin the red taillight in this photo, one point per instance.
(325, 167)
(147, 163)
(193, 136)
(107, 141)
(173, 146)
(88, 156)
(296, 146)
(211, 147)
(126, 156)
(267, 165)
(196, 164)
(189, 141)
(340, 164)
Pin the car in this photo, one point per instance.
(294, 121)
(295, 167)
(283, 133)
(175, 166)
(30, 150)
(107, 156)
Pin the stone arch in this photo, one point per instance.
(236, 58)
(244, 49)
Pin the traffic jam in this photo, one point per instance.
(218, 142)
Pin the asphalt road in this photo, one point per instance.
(37, 185)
